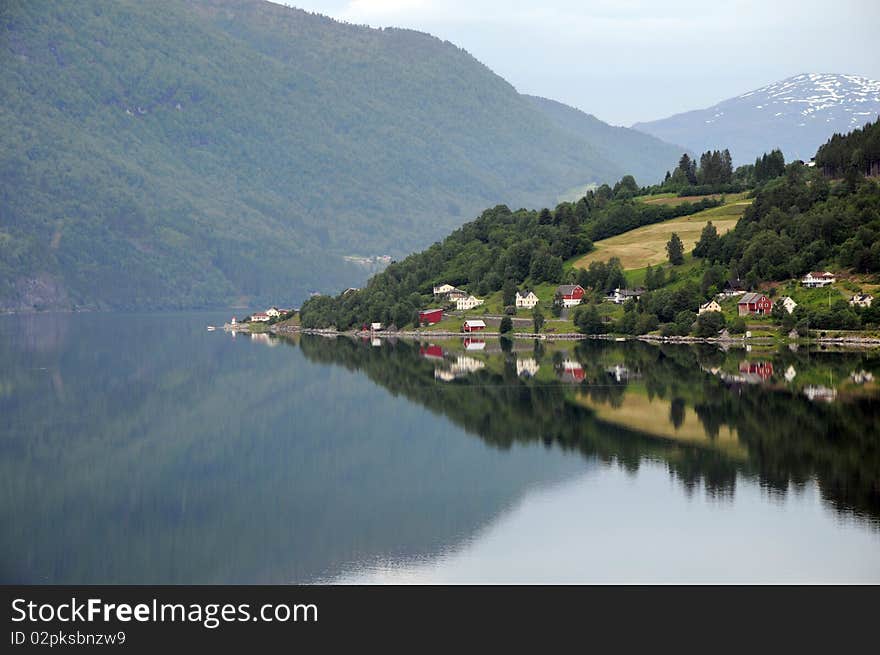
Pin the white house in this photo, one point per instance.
(443, 289)
(273, 312)
(468, 303)
(375, 327)
(861, 300)
(815, 279)
(711, 306)
(620, 296)
(527, 300)
(787, 303)
(260, 317)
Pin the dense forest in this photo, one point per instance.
(203, 152)
(856, 153)
(500, 247)
(715, 174)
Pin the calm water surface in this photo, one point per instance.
(144, 449)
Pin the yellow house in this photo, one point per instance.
(711, 306)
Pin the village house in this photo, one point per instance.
(468, 303)
(375, 327)
(443, 289)
(430, 316)
(456, 295)
(572, 294)
(733, 288)
(274, 312)
(527, 299)
(473, 326)
(787, 303)
(260, 317)
(861, 300)
(815, 279)
(620, 296)
(711, 306)
(754, 303)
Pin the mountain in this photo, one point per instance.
(188, 153)
(641, 155)
(796, 115)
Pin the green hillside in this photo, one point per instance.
(200, 153)
(644, 156)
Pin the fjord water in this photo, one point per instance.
(144, 449)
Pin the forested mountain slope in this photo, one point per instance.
(191, 153)
(644, 156)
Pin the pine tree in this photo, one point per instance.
(675, 250)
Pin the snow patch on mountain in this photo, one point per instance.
(797, 114)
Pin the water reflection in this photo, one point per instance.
(163, 453)
(711, 414)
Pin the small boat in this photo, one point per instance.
(211, 328)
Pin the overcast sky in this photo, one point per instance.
(629, 60)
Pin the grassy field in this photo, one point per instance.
(647, 245)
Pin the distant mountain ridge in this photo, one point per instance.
(634, 152)
(797, 115)
(194, 153)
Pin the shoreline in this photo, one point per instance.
(855, 341)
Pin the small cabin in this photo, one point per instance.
(473, 326)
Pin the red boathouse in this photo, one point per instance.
(430, 316)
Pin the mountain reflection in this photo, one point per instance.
(780, 416)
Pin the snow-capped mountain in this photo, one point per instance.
(797, 115)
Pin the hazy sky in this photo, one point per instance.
(626, 60)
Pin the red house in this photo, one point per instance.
(473, 326)
(430, 316)
(572, 294)
(754, 303)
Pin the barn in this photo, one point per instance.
(754, 303)
(430, 316)
(473, 326)
(572, 294)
